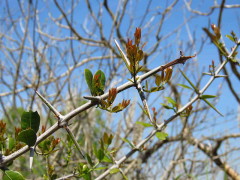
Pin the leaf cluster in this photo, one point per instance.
(95, 83)
(103, 155)
(160, 81)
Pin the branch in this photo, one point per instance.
(64, 119)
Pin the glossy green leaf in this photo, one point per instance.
(206, 101)
(12, 175)
(30, 120)
(207, 96)
(89, 78)
(114, 170)
(27, 136)
(144, 124)
(184, 86)
(161, 135)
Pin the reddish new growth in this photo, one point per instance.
(2, 126)
(17, 131)
(134, 53)
(55, 142)
(112, 95)
(137, 36)
(125, 103)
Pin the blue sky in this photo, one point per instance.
(189, 31)
(165, 53)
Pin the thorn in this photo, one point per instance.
(31, 157)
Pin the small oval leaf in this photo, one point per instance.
(89, 78)
(114, 170)
(161, 135)
(207, 96)
(144, 124)
(100, 155)
(166, 106)
(30, 120)
(102, 78)
(27, 136)
(171, 101)
(12, 175)
(230, 37)
(184, 86)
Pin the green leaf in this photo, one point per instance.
(139, 69)
(185, 76)
(231, 38)
(166, 106)
(161, 135)
(110, 138)
(144, 124)
(127, 141)
(158, 80)
(171, 101)
(102, 79)
(234, 60)
(89, 78)
(155, 89)
(30, 120)
(95, 150)
(206, 101)
(207, 96)
(89, 159)
(12, 175)
(131, 80)
(27, 136)
(125, 177)
(184, 86)
(115, 109)
(87, 176)
(100, 154)
(105, 138)
(11, 143)
(114, 170)
(107, 159)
